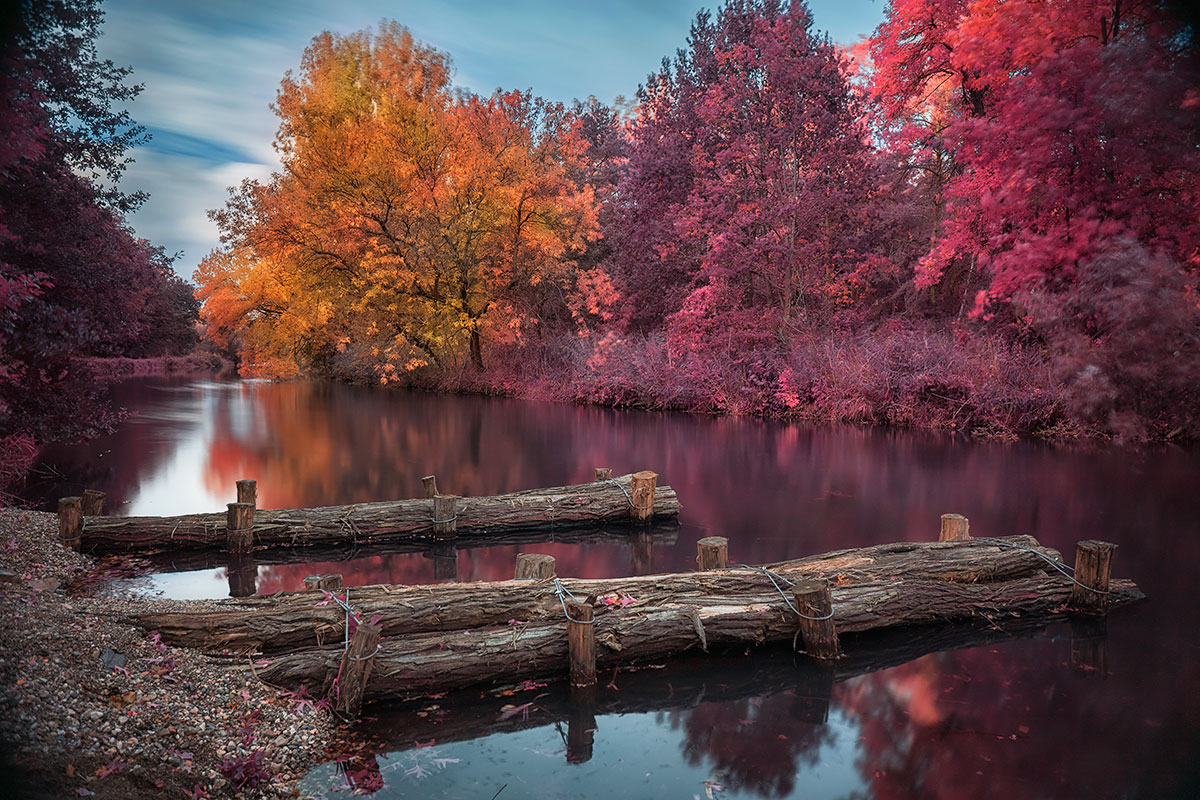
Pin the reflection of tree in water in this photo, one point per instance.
(755, 745)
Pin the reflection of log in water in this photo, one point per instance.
(685, 683)
(870, 576)
(560, 507)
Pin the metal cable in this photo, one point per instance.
(1058, 565)
(629, 499)
(563, 593)
(773, 577)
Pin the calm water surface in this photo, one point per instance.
(1056, 711)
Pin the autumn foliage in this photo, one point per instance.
(982, 218)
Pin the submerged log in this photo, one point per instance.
(445, 660)
(587, 504)
(285, 622)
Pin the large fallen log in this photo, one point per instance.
(282, 623)
(445, 660)
(587, 504)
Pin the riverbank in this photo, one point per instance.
(117, 368)
(91, 706)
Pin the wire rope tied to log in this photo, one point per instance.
(1065, 569)
(378, 647)
(775, 578)
(563, 593)
(444, 521)
(628, 498)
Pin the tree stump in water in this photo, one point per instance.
(955, 528)
(712, 552)
(815, 604)
(239, 527)
(429, 482)
(581, 643)
(355, 671)
(602, 474)
(247, 492)
(641, 506)
(93, 502)
(534, 567)
(1093, 566)
(445, 516)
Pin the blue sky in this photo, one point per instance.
(211, 70)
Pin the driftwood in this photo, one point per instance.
(587, 504)
(283, 623)
(445, 660)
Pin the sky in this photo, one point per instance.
(211, 70)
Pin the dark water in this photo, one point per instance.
(1056, 711)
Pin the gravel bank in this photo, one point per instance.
(90, 706)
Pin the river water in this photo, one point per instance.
(1062, 710)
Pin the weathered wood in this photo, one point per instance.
(556, 508)
(955, 527)
(288, 621)
(447, 660)
(815, 604)
(1093, 566)
(581, 643)
(330, 582)
(70, 522)
(93, 502)
(239, 527)
(533, 567)
(602, 474)
(354, 672)
(445, 516)
(429, 482)
(641, 503)
(247, 492)
(712, 552)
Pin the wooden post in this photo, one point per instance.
(242, 573)
(93, 502)
(430, 484)
(534, 567)
(602, 474)
(70, 522)
(445, 516)
(712, 552)
(581, 724)
(581, 643)
(247, 492)
(357, 663)
(643, 553)
(641, 509)
(329, 582)
(239, 527)
(955, 528)
(1093, 566)
(814, 601)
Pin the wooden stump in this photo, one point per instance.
(602, 474)
(643, 553)
(581, 643)
(93, 502)
(247, 492)
(357, 663)
(330, 582)
(70, 522)
(534, 567)
(641, 508)
(239, 527)
(581, 724)
(815, 602)
(955, 528)
(712, 552)
(445, 516)
(430, 484)
(1093, 567)
(242, 573)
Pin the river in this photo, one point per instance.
(1065, 710)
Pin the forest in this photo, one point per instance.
(982, 218)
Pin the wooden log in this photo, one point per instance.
(330, 582)
(446, 660)
(288, 621)
(354, 671)
(581, 643)
(602, 474)
(70, 522)
(445, 516)
(239, 527)
(556, 508)
(93, 502)
(814, 601)
(534, 567)
(955, 528)
(641, 505)
(247, 492)
(429, 482)
(1093, 566)
(712, 552)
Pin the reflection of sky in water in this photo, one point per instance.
(635, 756)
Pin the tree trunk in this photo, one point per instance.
(476, 348)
